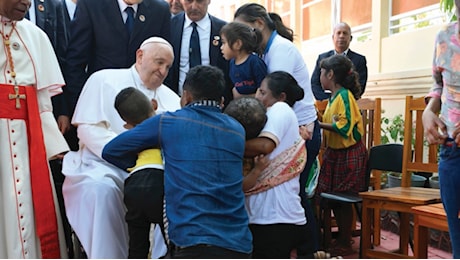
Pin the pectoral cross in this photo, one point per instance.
(17, 96)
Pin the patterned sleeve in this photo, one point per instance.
(436, 89)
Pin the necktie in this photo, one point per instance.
(130, 20)
(194, 52)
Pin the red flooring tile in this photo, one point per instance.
(390, 241)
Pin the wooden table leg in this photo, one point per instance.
(376, 231)
(366, 228)
(404, 232)
(420, 240)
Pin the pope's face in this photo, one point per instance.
(153, 64)
(14, 9)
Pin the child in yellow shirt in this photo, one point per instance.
(143, 189)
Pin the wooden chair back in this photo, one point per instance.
(371, 111)
(417, 157)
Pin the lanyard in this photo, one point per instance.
(270, 41)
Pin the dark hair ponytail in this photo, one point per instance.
(250, 38)
(282, 29)
(281, 81)
(344, 73)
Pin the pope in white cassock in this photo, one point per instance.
(29, 136)
(93, 188)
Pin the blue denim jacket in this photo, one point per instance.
(203, 151)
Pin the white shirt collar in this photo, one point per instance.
(123, 6)
(203, 23)
(343, 53)
(70, 8)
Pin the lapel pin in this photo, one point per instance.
(41, 8)
(142, 18)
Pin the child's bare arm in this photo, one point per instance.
(260, 163)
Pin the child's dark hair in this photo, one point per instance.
(251, 12)
(251, 114)
(250, 37)
(282, 82)
(133, 106)
(344, 73)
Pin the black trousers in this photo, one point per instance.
(276, 241)
(143, 197)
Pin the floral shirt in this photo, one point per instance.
(446, 75)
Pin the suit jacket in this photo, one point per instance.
(360, 65)
(49, 15)
(99, 40)
(67, 18)
(215, 55)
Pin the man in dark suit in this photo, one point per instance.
(99, 38)
(208, 28)
(341, 38)
(50, 17)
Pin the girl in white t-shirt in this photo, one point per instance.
(281, 54)
(276, 217)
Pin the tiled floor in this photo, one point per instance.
(390, 241)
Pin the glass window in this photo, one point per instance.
(281, 6)
(316, 20)
(404, 6)
(350, 15)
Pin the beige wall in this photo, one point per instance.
(398, 65)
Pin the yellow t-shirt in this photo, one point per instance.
(344, 114)
(150, 157)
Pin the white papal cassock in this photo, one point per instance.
(36, 66)
(93, 188)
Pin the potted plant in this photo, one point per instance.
(394, 180)
(393, 132)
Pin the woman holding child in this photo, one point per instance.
(276, 217)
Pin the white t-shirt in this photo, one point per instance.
(280, 204)
(276, 60)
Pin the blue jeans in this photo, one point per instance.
(449, 182)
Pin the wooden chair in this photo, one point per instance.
(414, 140)
(400, 199)
(371, 110)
